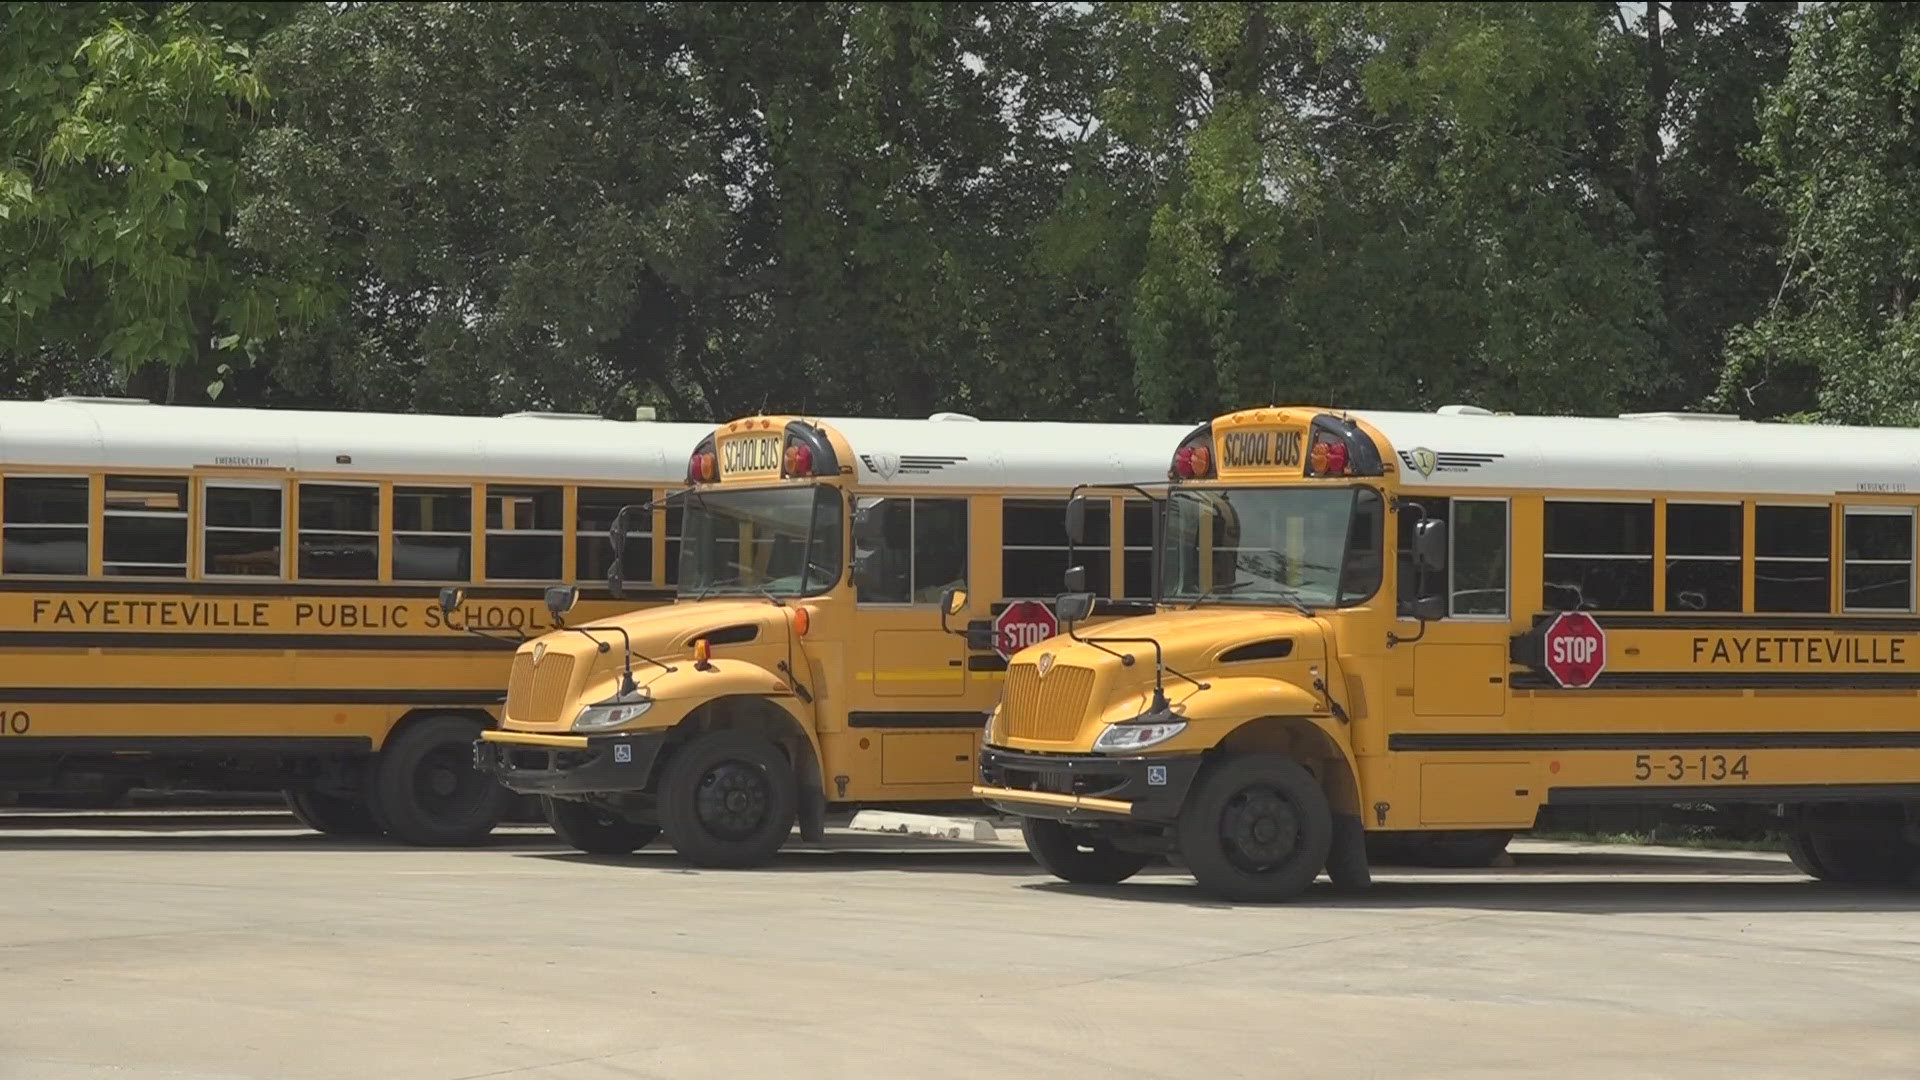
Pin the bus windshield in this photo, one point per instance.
(1318, 547)
(782, 541)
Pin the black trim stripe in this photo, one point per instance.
(1658, 794)
(190, 744)
(110, 639)
(1732, 680)
(1657, 740)
(968, 718)
(1687, 621)
(246, 695)
(986, 662)
(370, 590)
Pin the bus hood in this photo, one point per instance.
(1200, 638)
(554, 674)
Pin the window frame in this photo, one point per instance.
(633, 535)
(1102, 585)
(913, 554)
(1829, 559)
(1506, 585)
(184, 516)
(1655, 550)
(1913, 548)
(209, 482)
(487, 532)
(85, 526)
(1668, 558)
(395, 533)
(300, 530)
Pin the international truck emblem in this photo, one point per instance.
(1424, 460)
(1043, 665)
(539, 652)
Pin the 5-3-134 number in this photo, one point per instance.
(1689, 767)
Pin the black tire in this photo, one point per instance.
(333, 815)
(1081, 856)
(595, 829)
(1256, 828)
(1800, 849)
(728, 801)
(424, 789)
(1865, 852)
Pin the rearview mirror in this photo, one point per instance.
(617, 533)
(1430, 545)
(1072, 607)
(616, 580)
(1075, 579)
(560, 600)
(1430, 608)
(451, 598)
(953, 601)
(1077, 521)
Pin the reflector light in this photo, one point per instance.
(802, 621)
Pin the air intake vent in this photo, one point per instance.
(1271, 649)
(730, 635)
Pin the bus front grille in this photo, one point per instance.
(536, 693)
(1049, 709)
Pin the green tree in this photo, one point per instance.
(120, 133)
(1841, 146)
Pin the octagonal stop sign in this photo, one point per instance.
(1575, 649)
(1020, 624)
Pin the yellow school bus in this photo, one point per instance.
(805, 663)
(1390, 625)
(247, 599)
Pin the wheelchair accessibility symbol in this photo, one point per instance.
(622, 754)
(1156, 776)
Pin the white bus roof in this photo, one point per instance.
(1648, 452)
(97, 433)
(965, 453)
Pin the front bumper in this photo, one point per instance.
(1081, 787)
(533, 764)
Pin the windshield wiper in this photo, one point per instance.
(1287, 596)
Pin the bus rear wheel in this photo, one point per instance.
(1256, 828)
(1081, 856)
(597, 830)
(1866, 852)
(729, 800)
(333, 815)
(425, 790)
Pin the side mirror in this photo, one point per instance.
(1430, 545)
(1071, 607)
(1077, 521)
(451, 598)
(560, 600)
(1075, 579)
(617, 533)
(953, 601)
(868, 527)
(1430, 608)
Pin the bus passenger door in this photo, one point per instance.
(1453, 679)
(915, 736)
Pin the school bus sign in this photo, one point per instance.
(1575, 649)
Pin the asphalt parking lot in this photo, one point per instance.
(198, 946)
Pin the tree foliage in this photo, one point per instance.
(1099, 211)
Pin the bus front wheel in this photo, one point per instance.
(729, 800)
(425, 790)
(1256, 828)
(596, 830)
(1081, 856)
(1869, 852)
(332, 815)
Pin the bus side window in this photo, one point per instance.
(593, 554)
(432, 533)
(241, 529)
(1360, 576)
(1477, 558)
(46, 525)
(525, 533)
(1033, 546)
(916, 549)
(145, 527)
(339, 532)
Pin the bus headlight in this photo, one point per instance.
(611, 714)
(1125, 738)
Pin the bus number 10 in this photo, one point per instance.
(15, 723)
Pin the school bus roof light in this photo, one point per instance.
(1328, 458)
(1194, 459)
(799, 459)
(704, 466)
